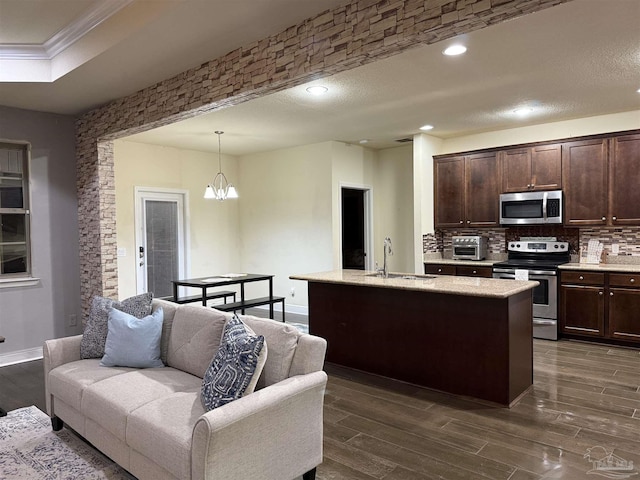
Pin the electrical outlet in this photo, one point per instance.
(73, 320)
(293, 292)
(615, 249)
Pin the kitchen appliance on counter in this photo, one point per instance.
(469, 247)
(531, 208)
(537, 260)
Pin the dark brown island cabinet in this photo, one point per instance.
(461, 343)
(600, 305)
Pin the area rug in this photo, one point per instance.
(30, 450)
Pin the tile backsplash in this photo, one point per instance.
(627, 238)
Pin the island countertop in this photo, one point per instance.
(446, 284)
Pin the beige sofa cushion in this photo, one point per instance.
(169, 311)
(110, 401)
(195, 338)
(68, 381)
(161, 431)
(282, 340)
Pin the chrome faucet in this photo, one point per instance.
(384, 271)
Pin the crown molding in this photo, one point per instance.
(65, 37)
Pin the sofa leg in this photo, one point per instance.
(56, 424)
(310, 475)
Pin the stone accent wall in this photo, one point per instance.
(355, 34)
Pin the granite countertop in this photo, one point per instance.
(446, 284)
(603, 267)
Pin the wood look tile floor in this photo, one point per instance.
(584, 396)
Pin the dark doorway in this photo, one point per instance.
(353, 252)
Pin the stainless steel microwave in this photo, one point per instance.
(531, 208)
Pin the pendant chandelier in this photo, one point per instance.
(220, 188)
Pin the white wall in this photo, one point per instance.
(31, 315)
(549, 131)
(394, 208)
(424, 148)
(214, 226)
(285, 217)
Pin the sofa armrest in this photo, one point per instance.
(57, 352)
(275, 432)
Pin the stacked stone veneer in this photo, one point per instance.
(337, 40)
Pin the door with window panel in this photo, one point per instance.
(14, 210)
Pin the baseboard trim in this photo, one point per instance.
(20, 356)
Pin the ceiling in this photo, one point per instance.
(578, 59)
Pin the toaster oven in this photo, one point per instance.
(469, 247)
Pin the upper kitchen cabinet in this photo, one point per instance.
(584, 182)
(624, 180)
(449, 192)
(467, 190)
(532, 168)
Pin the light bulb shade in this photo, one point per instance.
(209, 193)
(232, 192)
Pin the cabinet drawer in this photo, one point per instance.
(466, 271)
(624, 279)
(437, 269)
(583, 278)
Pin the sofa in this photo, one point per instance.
(152, 423)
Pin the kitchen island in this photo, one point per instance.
(461, 335)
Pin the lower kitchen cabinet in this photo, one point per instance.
(624, 307)
(462, 270)
(604, 305)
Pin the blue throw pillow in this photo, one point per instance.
(235, 368)
(133, 342)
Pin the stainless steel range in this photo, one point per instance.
(537, 260)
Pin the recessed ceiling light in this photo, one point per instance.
(363, 141)
(523, 111)
(317, 90)
(455, 50)
(424, 128)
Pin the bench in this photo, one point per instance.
(210, 296)
(251, 302)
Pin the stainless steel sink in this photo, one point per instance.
(404, 276)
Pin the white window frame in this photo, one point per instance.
(20, 279)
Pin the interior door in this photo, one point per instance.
(354, 228)
(160, 241)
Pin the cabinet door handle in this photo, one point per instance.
(581, 277)
(611, 294)
(528, 185)
(468, 221)
(439, 270)
(533, 185)
(461, 222)
(633, 280)
(604, 218)
(600, 293)
(475, 271)
(614, 218)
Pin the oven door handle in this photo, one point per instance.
(511, 274)
(544, 322)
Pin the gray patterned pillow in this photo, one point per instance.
(94, 336)
(236, 367)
